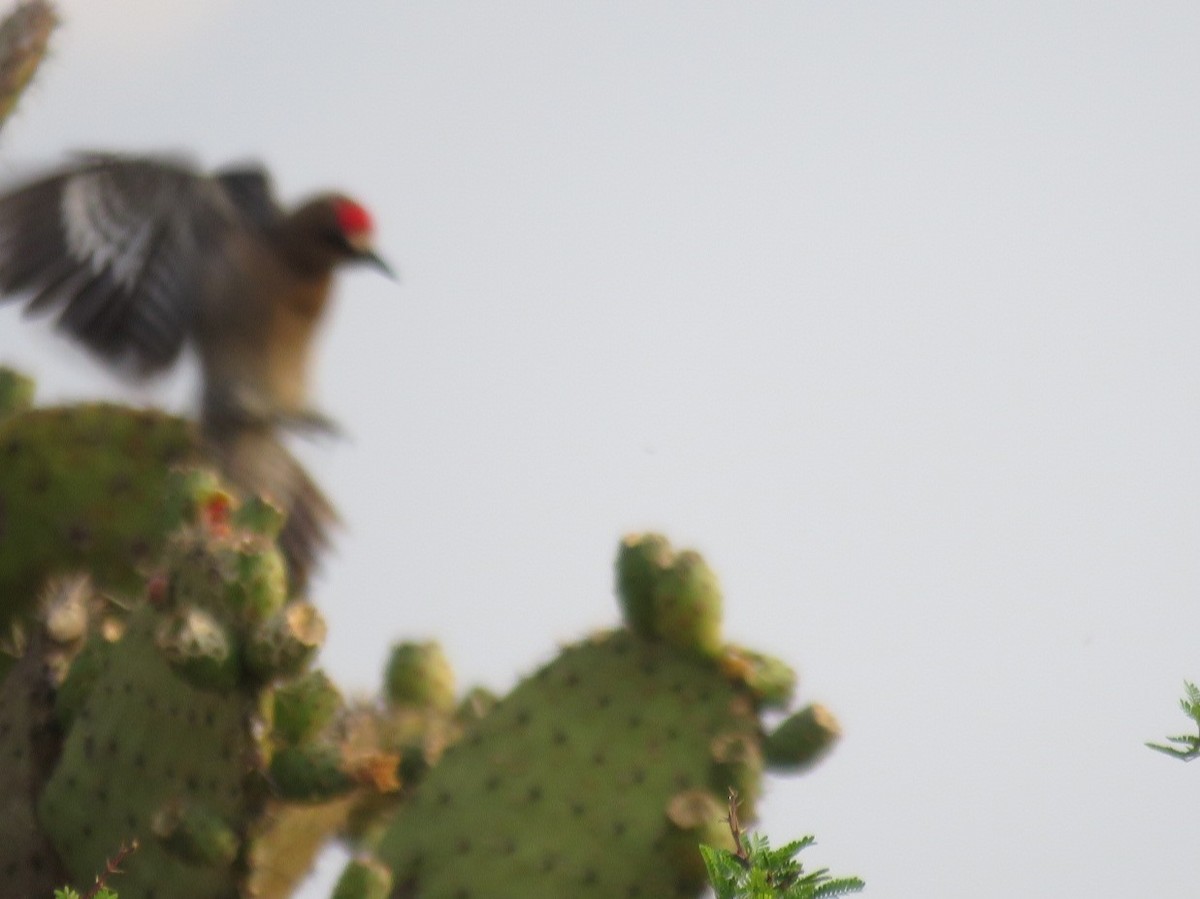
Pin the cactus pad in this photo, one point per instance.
(84, 488)
(600, 774)
(162, 745)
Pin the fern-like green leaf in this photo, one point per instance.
(1193, 692)
(1184, 754)
(760, 872)
(841, 887)
(1189, 744)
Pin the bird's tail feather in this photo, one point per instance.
(255, 461)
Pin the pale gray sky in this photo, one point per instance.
(890, 309)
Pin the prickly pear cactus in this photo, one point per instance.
(162, 714)
(599, 774)
(152, 668)
(185, 720)
(154, 685)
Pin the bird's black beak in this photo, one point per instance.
(373, 259)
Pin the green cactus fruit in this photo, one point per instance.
(16, 393)
(82, 488)
(771, 681)
(688, 605)
(364, 878)
(249, 567)
(668, 595)
(304, 707)
(261, 516)
(199, 647)
(313, 772)
(259, 586)
(641, 561)
(195, 834)
(803, 739)
(197, 494)
(418, 674)
(284, 644)
(421, 716)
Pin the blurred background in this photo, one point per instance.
(889, 309)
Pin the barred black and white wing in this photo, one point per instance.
(122, 249)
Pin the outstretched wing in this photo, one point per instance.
(248, 187)
(121, 248)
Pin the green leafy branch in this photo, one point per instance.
(100, 888)
(1187, 745)
(753, 870)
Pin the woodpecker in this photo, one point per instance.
(140, 256)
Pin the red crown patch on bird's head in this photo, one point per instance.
(352, 218)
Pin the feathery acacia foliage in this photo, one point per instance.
(1187, 745)
(753, 870)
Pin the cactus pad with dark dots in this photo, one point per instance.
(143, 741)
(600, 774)
(562, 790)
(28, 749)
(88, 486)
